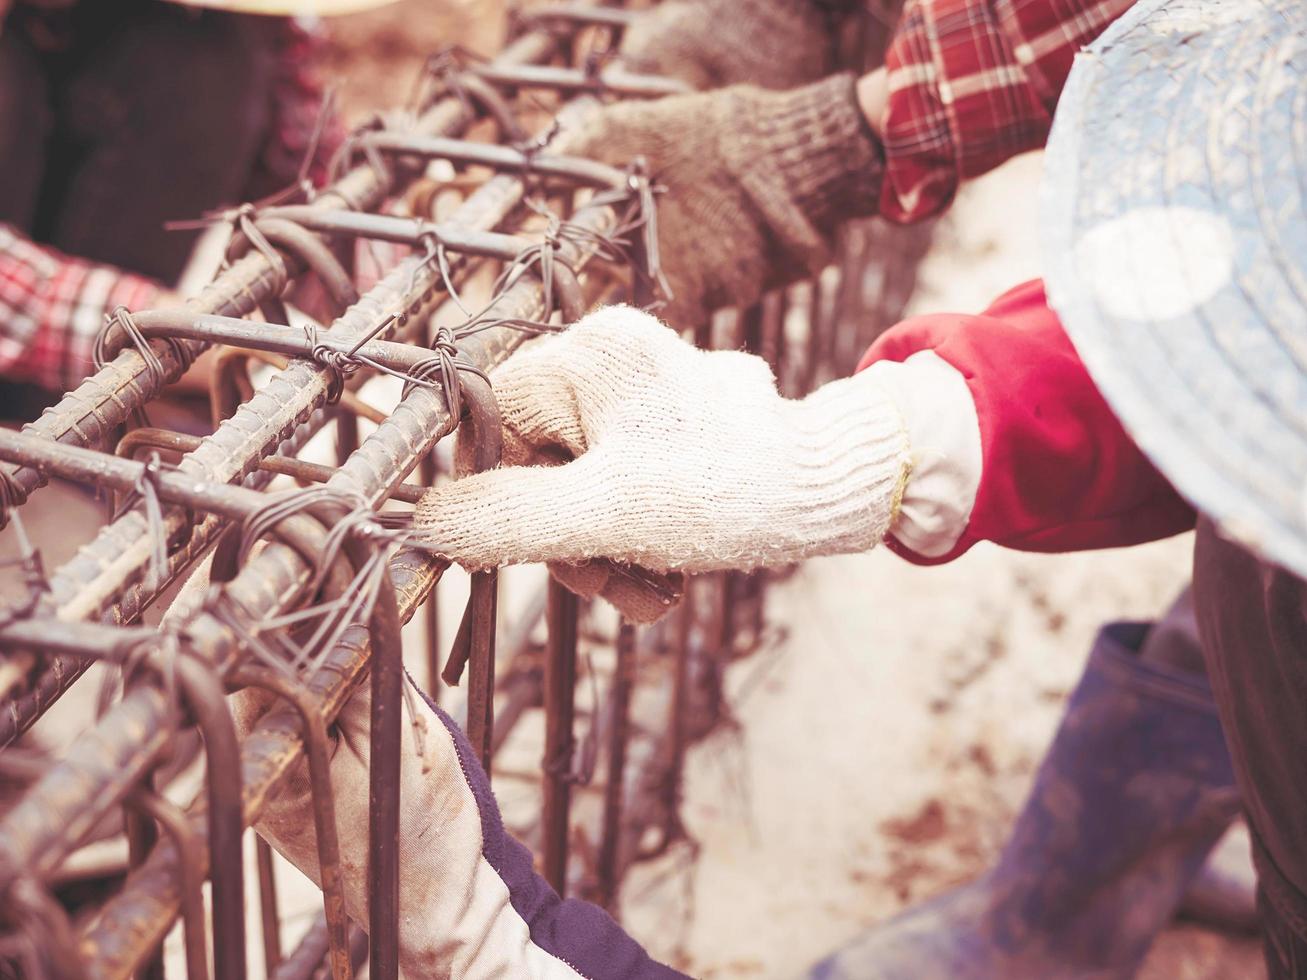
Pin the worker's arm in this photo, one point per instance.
(471, 903)
(960, 429)
(52, 306)
(1044, 465)
(759, 180)
(968, 84)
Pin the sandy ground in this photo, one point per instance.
(888, 736)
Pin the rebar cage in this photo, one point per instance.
(500, 238)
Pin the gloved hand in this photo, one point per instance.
(470, 903)
(756, 183)
(680, 458)
(708, 43)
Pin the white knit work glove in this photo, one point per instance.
(679, 459)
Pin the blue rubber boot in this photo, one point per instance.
(1134, 792)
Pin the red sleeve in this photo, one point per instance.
(1058, 471)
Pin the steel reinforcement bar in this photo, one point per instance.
(103, 571)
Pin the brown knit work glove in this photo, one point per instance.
(756, 183)
(709, 43)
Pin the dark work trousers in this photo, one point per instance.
(1252, 619)
(118, 117)
(1173, 639)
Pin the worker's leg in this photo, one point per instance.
(24, 129)
(1173, 640)
(1133, 793)
(160, 113)
(1253, 622)
(1224, 893)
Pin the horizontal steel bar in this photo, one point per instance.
(579, 170)
(409, 231)
(300, 469)
(95, 468)
(611, 81)
(101, 574)
(276, 338)
(105, 400)
(96, 641)
(103, 571)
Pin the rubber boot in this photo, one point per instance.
(1134, 792)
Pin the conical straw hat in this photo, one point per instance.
(1175, 211)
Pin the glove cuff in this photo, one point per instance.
(851, 451)
(831, 161)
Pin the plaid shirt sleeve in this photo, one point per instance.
(296, 99)
(972, 83)
(52, 307)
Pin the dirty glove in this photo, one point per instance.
(756, 183)
(471, 905)
(709, 43)
(682, 459)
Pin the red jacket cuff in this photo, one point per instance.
(1058, 471)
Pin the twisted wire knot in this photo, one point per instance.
(245, 220)
(12, 494)
(443, 369)
(340, 364)
(121, 318)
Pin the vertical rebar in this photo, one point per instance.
(190, 853)
(427, 477)
(268, 907)
(560, 694)
(318, 756)
(207, 701)
(142, 834)
(384, 776)
(619, 729)
(347, 434)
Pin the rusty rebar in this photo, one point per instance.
(87, 415)
(317, 752)
(607, 871)
(560, 692)
(419, 422)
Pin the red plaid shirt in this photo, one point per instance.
(971, 84)
(52, 305)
